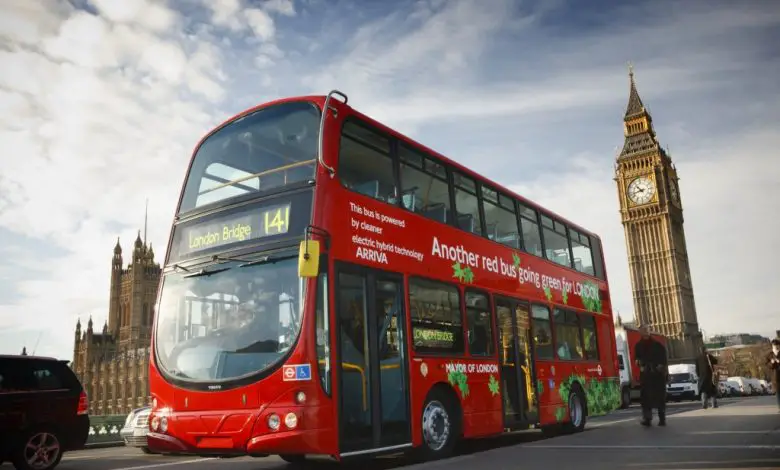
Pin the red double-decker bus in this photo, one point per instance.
(333, 288)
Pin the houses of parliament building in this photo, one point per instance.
(113, 364)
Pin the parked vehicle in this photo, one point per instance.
(136, 427)
(755, 386)
(734, 388)
(43, 411)
(683, 382)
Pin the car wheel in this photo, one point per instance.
(625, 398)
(38, 450)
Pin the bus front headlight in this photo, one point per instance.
(291, 420)
(273, 422)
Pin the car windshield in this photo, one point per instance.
(228, 320)
(267, 149)
(678, 378)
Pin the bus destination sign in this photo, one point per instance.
(266, 222)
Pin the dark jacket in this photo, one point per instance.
(653, 367)
(706, 373)
(775, 368)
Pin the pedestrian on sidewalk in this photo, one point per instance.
(773, 361)
(653, 372)
(708, 378)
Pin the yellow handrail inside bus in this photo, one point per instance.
(361, 371)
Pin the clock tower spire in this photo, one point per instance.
(652, 217)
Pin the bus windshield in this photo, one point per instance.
(264, 150)
(229, 320)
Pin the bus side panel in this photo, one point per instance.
(466, 380)
(599, 380)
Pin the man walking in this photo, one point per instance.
(773, 361)
(653, 366)
(708, 378)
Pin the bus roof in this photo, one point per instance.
(319, 100)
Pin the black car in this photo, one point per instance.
(43, 411)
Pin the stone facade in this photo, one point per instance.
(651, 211)
(113, 365)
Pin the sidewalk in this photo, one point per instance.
(749, 422)
(737, 435)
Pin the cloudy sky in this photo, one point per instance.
(103, 101)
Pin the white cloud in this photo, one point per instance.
(152, 15)
(282, 7)
(261, 23)
(102, 111)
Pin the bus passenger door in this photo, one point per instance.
(516, 362)
(372, 373)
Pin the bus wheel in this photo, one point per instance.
(625, 398)
(439, 426)
(577, 413)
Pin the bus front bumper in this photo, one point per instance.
(299, 441)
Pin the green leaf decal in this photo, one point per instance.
(548, 293)
(457, 271)
(463, 274)
(590, 304)
(460, 380)
(468, 275)
(602, 395)
(515, 260)
(560, 413)
(493, 385)
(565, 297)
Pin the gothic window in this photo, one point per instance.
(146, 314)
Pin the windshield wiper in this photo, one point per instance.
(227, 258)
(204, 272)
(267, 259)
(177, 267)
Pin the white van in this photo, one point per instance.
(683, 382)
(743, 385)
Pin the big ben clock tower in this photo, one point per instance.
(652, 216)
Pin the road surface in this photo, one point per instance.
(742, 433)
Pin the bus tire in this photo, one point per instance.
(440, 425)
(625, 398)
(578, 411)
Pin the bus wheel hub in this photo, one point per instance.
(436, 425)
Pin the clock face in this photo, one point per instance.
(673, 191)
(641, 190)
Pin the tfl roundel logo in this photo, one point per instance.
(296, 372)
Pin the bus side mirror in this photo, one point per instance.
(309, 258)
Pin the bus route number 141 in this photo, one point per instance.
(276, 220)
